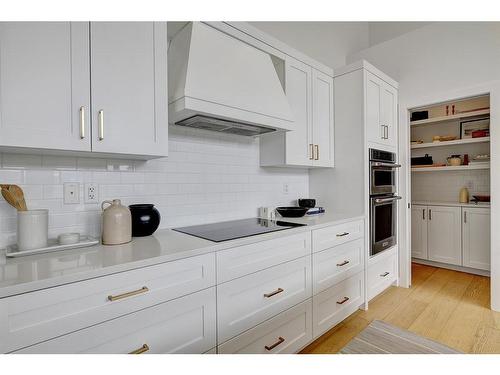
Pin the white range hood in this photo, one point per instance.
(219, 83)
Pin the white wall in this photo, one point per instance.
(444, 61)
(327, 42)
(206, 178)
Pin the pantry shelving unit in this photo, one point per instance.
(451, 168)
(451, 143)
(457, 116)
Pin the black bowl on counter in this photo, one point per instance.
(145, 219)
(292, 211)
(306, 202)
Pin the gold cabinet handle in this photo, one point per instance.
(384, 274)
(342, 234)
(142, 349)
(144, 289)
(271, 347)
(100, 120)
(344, 300)
(311, 151)
(277, 291)
(343, 263)
(316, 152)
(82, 122)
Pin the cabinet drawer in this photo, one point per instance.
(243, 260)
(325, 238)
(381, 274)
(37, 316)
(245, 302)
(287, 332)
(335, 304)
(184, 325)
(336, 264)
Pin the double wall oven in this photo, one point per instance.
(383, 200)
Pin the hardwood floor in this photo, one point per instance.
(447, 306)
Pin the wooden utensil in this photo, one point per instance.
(14, 195)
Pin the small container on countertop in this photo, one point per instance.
(116, 223)
(32, 229)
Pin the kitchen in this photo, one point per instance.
(186, 240)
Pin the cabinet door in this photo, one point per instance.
(129, 87)
(476, 237)
(44, 81)
(322, 128)
(298, 86)
(374, 129)
(419, 232)
(389, 113)
(444, 234)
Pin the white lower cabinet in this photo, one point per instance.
(443, 235)
(287, 332)
(476, 233)
(382, 273)
(245, 302)
(184, 325)
(335, 304)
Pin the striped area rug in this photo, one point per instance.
(383, 338)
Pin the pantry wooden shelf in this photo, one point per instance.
(450, 168)
(451, 143)
(433, 120)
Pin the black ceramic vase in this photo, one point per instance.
(145, 219)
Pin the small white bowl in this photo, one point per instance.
(68, 238)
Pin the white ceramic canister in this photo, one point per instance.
(116, 223)
(32, 229)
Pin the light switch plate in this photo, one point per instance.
(71, 193)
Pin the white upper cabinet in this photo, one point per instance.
(476, 237)
(310, 143)
(44, 85)
(49, 71)
(129, 87)
(381, 111)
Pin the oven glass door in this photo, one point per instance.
(383, 180)
(383, 225)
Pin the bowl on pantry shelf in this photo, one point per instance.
(292, 211)
(481, 198)
(306, 202)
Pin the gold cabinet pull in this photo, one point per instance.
(82, 122)
(100, 120)
(343, 263)
(311, 151)
(271, 347)
(144, 289)
(384, 274)
(142, 349)
(342, 234)
(277, 291)
(344, 300)
(316, 152)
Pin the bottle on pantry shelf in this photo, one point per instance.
(464, 195)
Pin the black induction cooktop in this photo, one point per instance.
(231, 230)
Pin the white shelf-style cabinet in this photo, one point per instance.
(476, 237)
(381, 111)
(458, 236)
(44, 85)
(50, 72)
(310, 95)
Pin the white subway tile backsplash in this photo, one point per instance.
(207, 177)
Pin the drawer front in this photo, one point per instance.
(336, 264)
(244, 260)
(381, 274)
(287, 332)
(184, 325)
(245, 302)
(37, 316)
(325, 238)
(335, 304)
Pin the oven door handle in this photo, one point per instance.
(385, 200)
(388, 165)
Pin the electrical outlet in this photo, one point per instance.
(71, 193)
(91, 193)
(286, 189)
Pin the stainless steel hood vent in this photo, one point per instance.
(224, 126)
(219, 83)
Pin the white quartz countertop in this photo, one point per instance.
(34, 272)
(452, 204)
